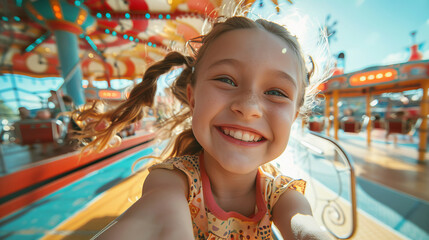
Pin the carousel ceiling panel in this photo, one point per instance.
(117, 38)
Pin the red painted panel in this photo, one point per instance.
(30, 176)
(30, 197)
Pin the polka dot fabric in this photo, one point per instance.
(210, 221)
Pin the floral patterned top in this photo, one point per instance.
(210, 221)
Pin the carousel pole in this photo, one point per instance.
(423, 132)
(67, 21)
(68, 53)
(336, 112)
(368, 114)
(327, 113)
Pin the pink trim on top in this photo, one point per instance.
(219, 212)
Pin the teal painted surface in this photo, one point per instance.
(68, 53)
(43, 7)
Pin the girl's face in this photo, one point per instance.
(245, 99)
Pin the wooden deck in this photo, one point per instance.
(392, 165)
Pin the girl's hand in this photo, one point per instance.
(161, 213)
(292, 216)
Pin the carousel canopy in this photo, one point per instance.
(117, 38)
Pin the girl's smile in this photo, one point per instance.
(244, 100)
(241, 135)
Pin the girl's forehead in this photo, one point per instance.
(255, 36)
(252, 47)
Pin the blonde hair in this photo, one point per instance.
(143, 94)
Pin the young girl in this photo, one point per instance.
(242, 90)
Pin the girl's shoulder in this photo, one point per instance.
(188, 164)
(275, 183)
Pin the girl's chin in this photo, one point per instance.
(240, 164)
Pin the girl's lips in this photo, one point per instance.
(240, 128)
(241, 135)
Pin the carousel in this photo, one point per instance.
(370, 83)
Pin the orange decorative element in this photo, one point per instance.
(34, 11)
(64, 26)
(109, 94)
(373, 77)
(321, 87)
(194, 210)
(56, 7)
(81, 16)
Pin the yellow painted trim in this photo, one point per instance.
(101, 211)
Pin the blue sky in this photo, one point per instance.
(369, 32)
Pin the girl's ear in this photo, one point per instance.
(190, 95)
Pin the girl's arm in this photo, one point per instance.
(161, 213)
(293, 217)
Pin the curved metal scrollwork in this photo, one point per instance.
(334, 213)
(333, 216)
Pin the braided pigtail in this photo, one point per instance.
(177, 127)
(102, 127)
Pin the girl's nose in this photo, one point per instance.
(247, 105)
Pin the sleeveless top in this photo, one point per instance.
(210, 221)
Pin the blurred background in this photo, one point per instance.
(363, 149)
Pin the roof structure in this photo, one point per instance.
(121, 40)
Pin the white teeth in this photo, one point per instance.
(246, 137)
(252, 137)
(240, 135)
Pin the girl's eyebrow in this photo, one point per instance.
(235, 62)
(286, 76)
(227, 61)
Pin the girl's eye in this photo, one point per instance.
(275, 93)
(227, 81)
